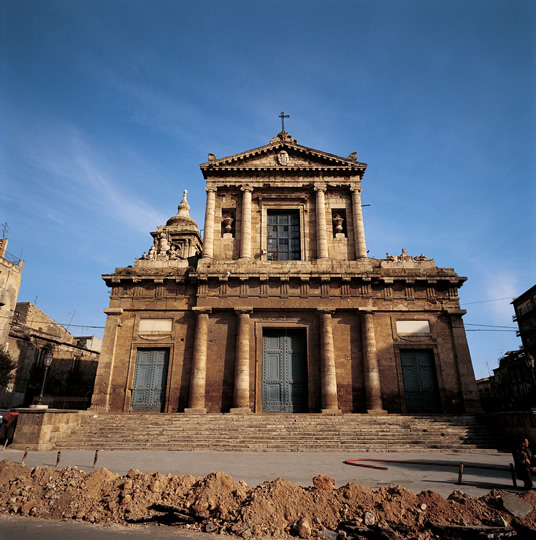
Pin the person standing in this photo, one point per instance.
(524, 462)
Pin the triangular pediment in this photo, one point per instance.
(282, 153)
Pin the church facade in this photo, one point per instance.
(279, 309)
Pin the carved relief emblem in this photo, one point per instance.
(283, 158)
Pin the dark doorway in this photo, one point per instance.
(420, 382)
(284, 371)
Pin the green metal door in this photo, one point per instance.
(284, 377)
(149, 389)
(420, 383)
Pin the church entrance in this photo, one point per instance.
(149, 389)
(284, 371)
(420, 383)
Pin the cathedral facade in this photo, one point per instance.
(279, 309)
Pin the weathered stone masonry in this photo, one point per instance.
(279, 309)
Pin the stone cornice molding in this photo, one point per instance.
(113, 311)
(327, 161)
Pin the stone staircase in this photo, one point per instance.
(281, 432)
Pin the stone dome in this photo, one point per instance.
(183, 215)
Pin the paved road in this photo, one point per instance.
(22, 528)
(298, 467)
(254, 468)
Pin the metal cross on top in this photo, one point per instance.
(283, 116)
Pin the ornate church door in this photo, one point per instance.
(284, 371)
(149, 389)
(420, 383)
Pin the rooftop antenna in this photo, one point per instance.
(72, 317)
(5, 228)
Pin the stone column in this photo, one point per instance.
(321, 233)
(327, 365)
(208, 240)
(101, 399)
(359, 228)
(245, 231)
(462, 357)
(241, 383)
(373, 390)
(199, 366)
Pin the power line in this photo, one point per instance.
(491, 326)
(486, 330)
(484, 301)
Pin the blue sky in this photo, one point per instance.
(107, 108)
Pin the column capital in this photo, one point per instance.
(326, 311)
(321, 187)
(211, 189)
(202, 309)
(243, 310)
(356, 188)
(247, 188)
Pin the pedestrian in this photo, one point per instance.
(524, 462)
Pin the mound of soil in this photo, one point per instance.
(275, 509)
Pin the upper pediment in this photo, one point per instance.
(282, 153)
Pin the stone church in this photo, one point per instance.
(278, 309)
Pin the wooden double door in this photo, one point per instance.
(420, 381)
(284, 371)
(150, 376)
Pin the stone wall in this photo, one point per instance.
(41, 429)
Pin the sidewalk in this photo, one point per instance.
(299, 467)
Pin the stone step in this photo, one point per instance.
(286, 432)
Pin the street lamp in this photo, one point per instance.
(47, 361)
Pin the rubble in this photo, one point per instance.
(274, 509)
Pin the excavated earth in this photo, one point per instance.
(275, 509)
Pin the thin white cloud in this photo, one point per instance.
(81, 175)
(501, 283)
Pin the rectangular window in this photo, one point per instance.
(283, 235)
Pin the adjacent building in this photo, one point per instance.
(70, 377)
(525, 316)
(279, 309)
(512, 387)
(10, 279)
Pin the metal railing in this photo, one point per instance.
(12, 258)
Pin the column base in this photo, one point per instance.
(240, 410)
(195, 411)
(331, 412)
(378, 412)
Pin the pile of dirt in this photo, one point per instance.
(274, 509)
